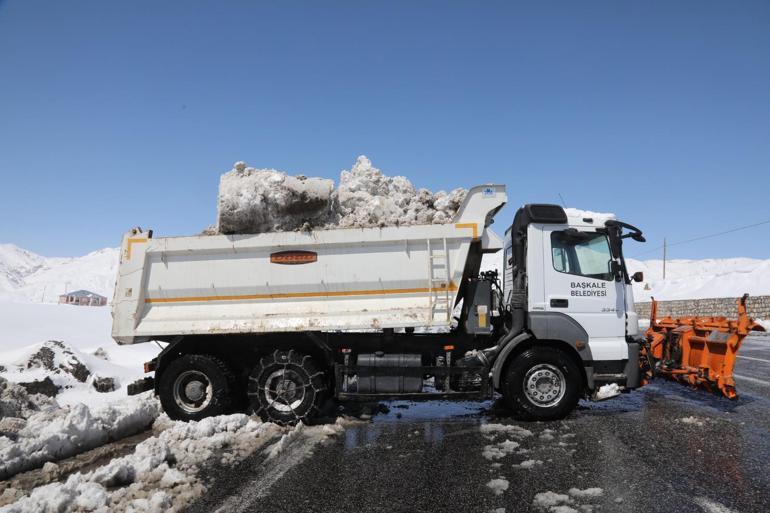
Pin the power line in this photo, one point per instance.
(725, 232)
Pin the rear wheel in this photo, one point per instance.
(542, 383)
(286, 387)
(194, 386)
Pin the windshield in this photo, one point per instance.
(582, 253)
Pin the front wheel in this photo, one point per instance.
(543, 383)
(286, 387)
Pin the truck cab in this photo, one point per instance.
(565, 271)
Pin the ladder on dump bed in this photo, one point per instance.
(439, 297)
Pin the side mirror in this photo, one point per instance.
(638, 276)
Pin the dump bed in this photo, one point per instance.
(342, 279)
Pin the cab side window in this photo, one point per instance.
(582, 254)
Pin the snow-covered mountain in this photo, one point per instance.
(697, 279)
(29, 277)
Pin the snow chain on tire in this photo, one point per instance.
(300, 381)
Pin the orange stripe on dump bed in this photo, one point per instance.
(288, 295)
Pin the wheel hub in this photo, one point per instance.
(284, 390)
(195, 390)
(544, 385)
(192, 391)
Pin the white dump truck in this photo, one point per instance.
(279, 323)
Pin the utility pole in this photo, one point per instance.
(664, 257)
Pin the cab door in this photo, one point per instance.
(579, 282)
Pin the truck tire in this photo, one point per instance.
(542, 383)
(286, 387)
(196, 386)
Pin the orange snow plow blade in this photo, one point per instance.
(698, 351)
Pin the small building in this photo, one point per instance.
(82, 298)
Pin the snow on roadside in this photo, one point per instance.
(50, 407)
(58, 433)
(163, 472)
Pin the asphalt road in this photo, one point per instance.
(664, 448)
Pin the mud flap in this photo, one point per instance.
(141, 385)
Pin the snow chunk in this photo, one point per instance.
(498, 486)
(694, 421)
(497, 451)
(529, 464)
(545, 500)
(509, 429)
(367, 197)
(588, 493)
(265, 200)
(709, 506)
(607, 391)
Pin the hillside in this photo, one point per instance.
(28, 277)
(698, 279)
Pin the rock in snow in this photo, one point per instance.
(266, 200)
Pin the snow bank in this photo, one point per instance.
(266, 200)
(162, 475)
(35, 429)
(56, 433)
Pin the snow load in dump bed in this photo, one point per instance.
(267, 200)
(334, 279)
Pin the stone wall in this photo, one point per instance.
(759, 307)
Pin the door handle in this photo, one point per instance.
(559, 303)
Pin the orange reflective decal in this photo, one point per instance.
(293, 257)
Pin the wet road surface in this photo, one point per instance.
(664, 448)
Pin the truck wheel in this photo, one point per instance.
(542, 384)
(195, 386)
(286, 387)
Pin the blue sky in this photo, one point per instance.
(116, 114)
